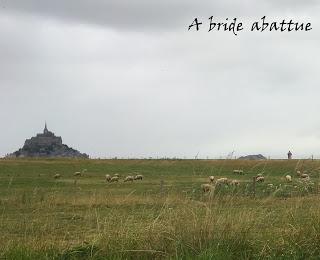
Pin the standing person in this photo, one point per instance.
(289, 155)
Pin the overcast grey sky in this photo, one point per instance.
(126, 78)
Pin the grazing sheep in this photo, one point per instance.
(206, 187)
(117, 175)
(108, 177)
(138, 177)
(260, 179)
(235, 183)
(114, 179)
(238, 172)
(129, 178)
(222, 181)
(259, 175)
(77, 174)
(57, 176)
(211, 179)
(305, 177)
(288, 178)
(305, 180)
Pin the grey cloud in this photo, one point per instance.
(151, 14)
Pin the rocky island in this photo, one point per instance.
(253, 157)
(46, 144)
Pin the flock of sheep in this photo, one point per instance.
(108, 177)
(205, 187)
(258, 178)
(116, 177)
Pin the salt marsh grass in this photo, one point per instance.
(166, 215)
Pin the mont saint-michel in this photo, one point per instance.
(46, 144)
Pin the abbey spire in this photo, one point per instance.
(45, 128)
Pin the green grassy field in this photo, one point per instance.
(166, 215)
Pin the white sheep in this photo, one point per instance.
(138, 177)
(211, 179)
(238, 172)
(117, 175)
(128, 178)
(260, 179)
(108, 177)
(259, 175)
(235, 183)
(77, 174)
(114, 179)
(288, 178)
(206, 187)
(305, 177)
(57, 176)
(222, 181)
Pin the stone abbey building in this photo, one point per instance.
(46, 144)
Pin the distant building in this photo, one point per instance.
(46, 144)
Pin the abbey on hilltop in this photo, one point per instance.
(46, 144)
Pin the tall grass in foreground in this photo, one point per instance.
(219, 228)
